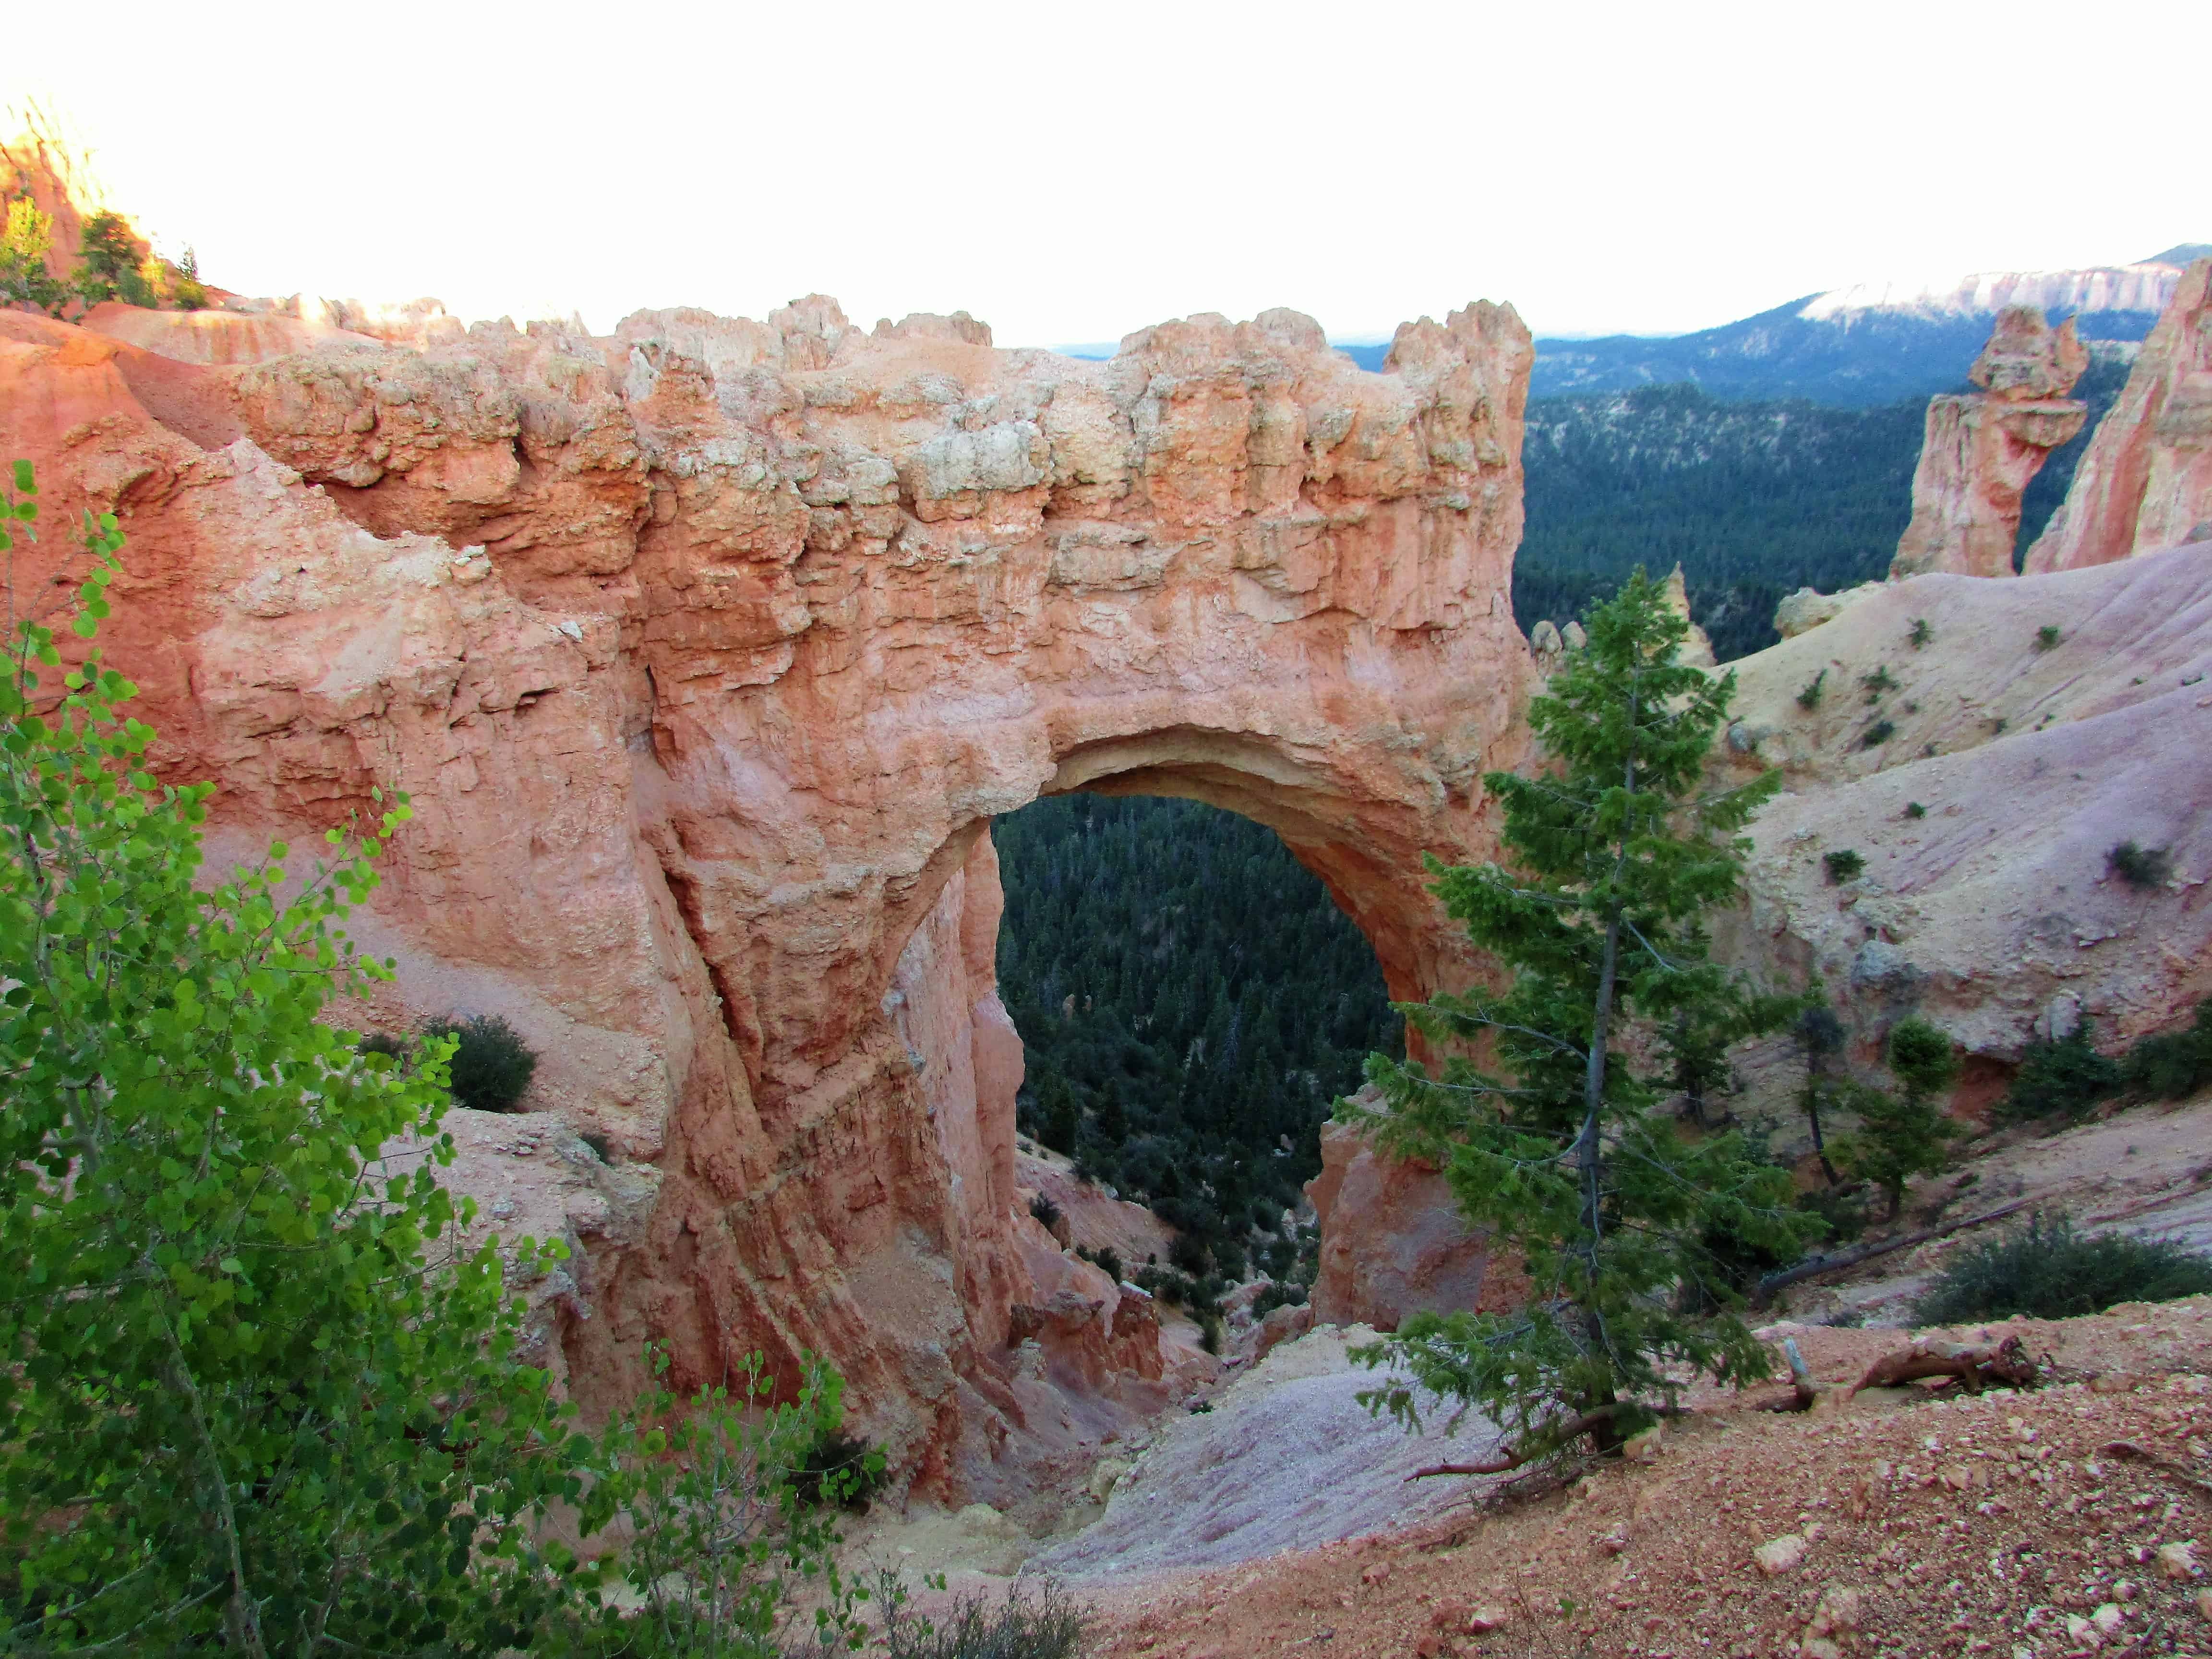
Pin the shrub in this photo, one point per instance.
(2141, 867)
(491, 1065)
(2174, 1063)
(1188, 1252)
(2047, 637)
(1845, 864)
(838, 1468)
(1877, 734)
(1809, 694)
(2066, 1078)
(1039, 1623)
(1047, 1212)
(1875, 683)
(26, 236)
(1841, 1208)
(397, 1048)
(1921, 634)
(723, 1554)
(1272, 1296)
(2048, 1271)
(1913, 809)
(1110, 1259)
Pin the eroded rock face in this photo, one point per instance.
(1393, 1241)
(1982, 448)
(1992, 909)
(2145, 484)
(706, 651)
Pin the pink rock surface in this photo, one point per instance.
(1994, 911)
(1392, 1240)
(1981, 449)
(2145, 484)
(707, 652)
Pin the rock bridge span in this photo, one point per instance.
(707, 650)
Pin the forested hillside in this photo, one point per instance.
(1752, 499)
(1191, 1001)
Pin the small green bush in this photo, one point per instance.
(2047, 637)
(384, 1042)
(1041, 1624)
(1045, 1211)
(491, 1067)
(2172, 1063)
(1921, 634)
(1273, 1297)
(1913, 809)
(1845, 864)
(839, 1469)
(1875, 683)
(2067, 1078)
(2141, 867)
(1809, 694)
(1877, 734)
(2048, 1271)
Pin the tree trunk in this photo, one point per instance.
(1812, 1116)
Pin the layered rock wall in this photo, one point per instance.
(1982, 448)
(707, 650)
(2145, 484)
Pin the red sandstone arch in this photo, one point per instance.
(706, 651)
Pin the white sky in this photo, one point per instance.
(1071, 171)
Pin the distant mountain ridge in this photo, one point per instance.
(1871, 344)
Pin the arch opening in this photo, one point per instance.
(1191, 1000)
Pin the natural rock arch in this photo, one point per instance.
(706, 651)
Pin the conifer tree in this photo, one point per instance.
(1552, 1142)
(1902, 1134)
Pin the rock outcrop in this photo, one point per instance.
(1985, 776)
(1982, 448)
(1393, 1241)
(2145, 484)
(706, 651)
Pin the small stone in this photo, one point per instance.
(1779, 1555)
(2107, 1618)
(1377, 1574)
(1483, 1620)
(1840, 1609)
(2179, 1560)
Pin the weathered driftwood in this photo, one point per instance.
(1510, 1458)
(1978, 1365)
(1813, 1267)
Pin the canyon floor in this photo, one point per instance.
(1272, 1514)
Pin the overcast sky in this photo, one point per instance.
(1071, 171)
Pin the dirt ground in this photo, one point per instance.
(1909, 1524)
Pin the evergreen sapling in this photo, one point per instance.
(1553, 1140)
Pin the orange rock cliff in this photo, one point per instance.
(707, 650)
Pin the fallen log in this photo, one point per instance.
(1813, 1267)
(1978, 1365)
(1511, 1458)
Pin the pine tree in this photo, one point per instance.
(1902, 1134)
(1559, 1152)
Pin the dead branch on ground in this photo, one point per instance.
(1512, 1458)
